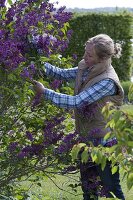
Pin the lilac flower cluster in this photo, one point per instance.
(95, 131)
(88, 110)
(28, 72)
(53, 131)
(10, 54)
(13, 146)
(90, 137)
(67, 143)
(92, 182)
(56, 84)
(30, 150)
(31, 29)
(2, 3)
(74, 56)
(96, 188)
(29, 136)
(52, 134)
(112, 143)
(36, 101)
(24, 151)
(62, 16)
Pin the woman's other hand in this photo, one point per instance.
(38, 87)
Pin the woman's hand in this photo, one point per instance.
(38, 87)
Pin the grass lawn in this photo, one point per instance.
(49, 191)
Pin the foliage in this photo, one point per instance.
(116, 25)
(126, 85)
(33, 132)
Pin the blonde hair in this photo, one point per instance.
(105, 47)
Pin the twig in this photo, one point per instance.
(60, 187)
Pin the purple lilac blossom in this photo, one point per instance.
(28, 72)
(74, 56)
(104, 192)
(88, 110)
(53, 133)
(34, 149)
(10, 54)
(31, 1)
(2, 34)
(51, 138)
(25, 73)
(111, 143)
(29, 136)
(2, 3)
(22, 155)
(56, 84)
(95, 131)
(67, 143)
(69, 33)
(13, 146)
(36, 101)
(95, 185)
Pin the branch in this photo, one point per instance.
(60, 187)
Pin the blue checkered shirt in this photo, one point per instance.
(99, 90)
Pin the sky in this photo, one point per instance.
(94, 3)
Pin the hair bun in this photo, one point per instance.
(117, 50)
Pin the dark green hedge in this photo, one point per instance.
(126, 85)
(117, 26)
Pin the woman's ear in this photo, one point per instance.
(102, 59)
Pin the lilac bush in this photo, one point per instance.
(31, 32)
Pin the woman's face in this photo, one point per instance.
(90, 56)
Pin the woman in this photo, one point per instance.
(96, 84)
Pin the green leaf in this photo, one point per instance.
(66, 25)
(40, 24)
(107, 136)
(9, 2)
(50, 27)
(19, 197)
(103, 163)
(44, 59)
(116, 116)
(114, 169)
(130, 143)
(85, 155)
(130, 94)
(63, 30)
(130, 181)
(76, 149)
(99, 156)
(112, 149)
(94, 156)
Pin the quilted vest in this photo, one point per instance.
(89, 120)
